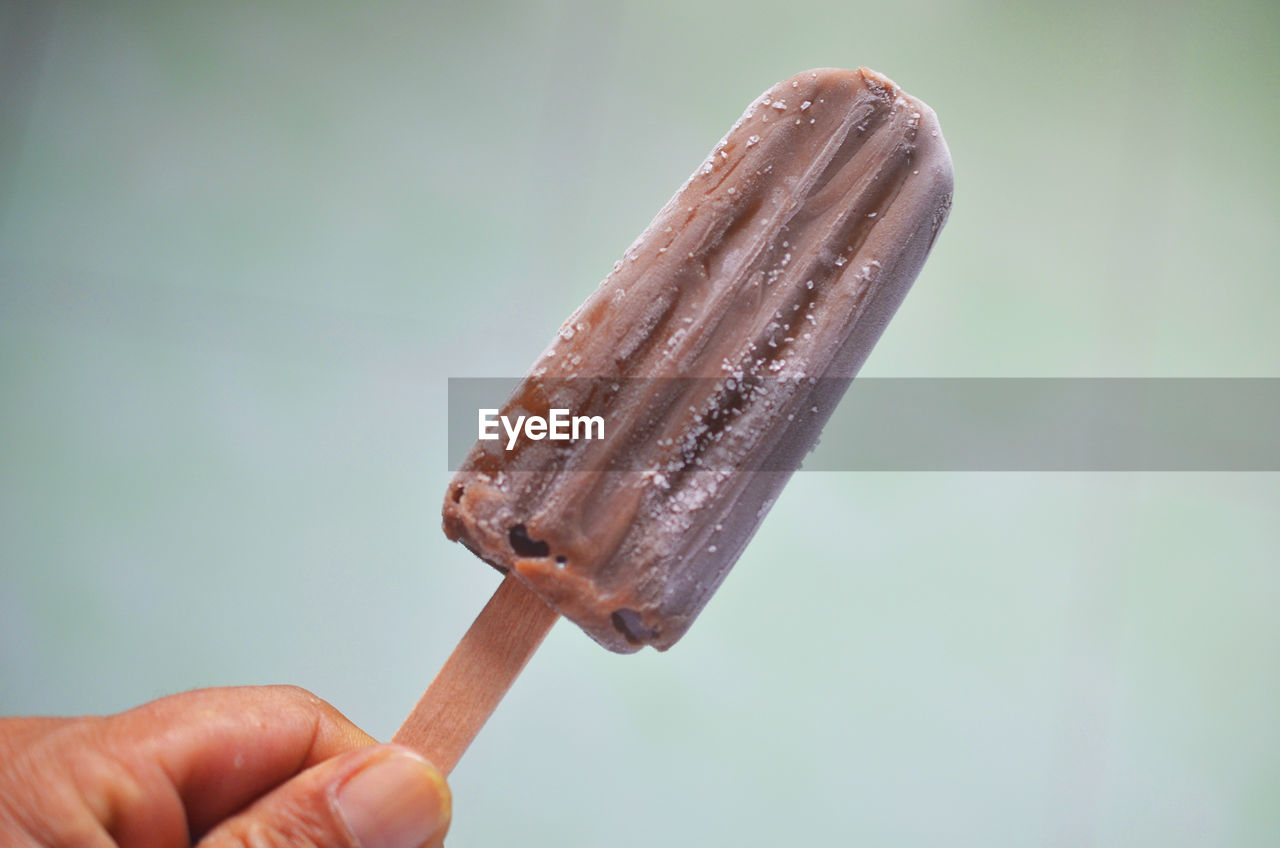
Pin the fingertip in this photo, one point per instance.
(396, 800)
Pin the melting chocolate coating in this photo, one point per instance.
(768, 277)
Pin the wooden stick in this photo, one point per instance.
(477, 674)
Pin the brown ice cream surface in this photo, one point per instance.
(715, 351)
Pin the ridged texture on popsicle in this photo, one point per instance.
(770, 274)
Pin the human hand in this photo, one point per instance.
(253, 766)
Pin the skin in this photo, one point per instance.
(214, 767)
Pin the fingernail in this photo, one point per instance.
(399, 801)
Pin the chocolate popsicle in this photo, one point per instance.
(714, 352)
(729, 329)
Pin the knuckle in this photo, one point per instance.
(58, 788)
(304, 702)
(292, 692)
(289, 696)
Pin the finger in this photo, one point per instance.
(222, 748)
(384, 797)
(166, 772)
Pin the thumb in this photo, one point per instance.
(379, 797)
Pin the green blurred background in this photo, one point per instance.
(242, 246)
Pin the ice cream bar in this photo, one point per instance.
(713, 353)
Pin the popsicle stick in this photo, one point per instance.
(477, 674)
